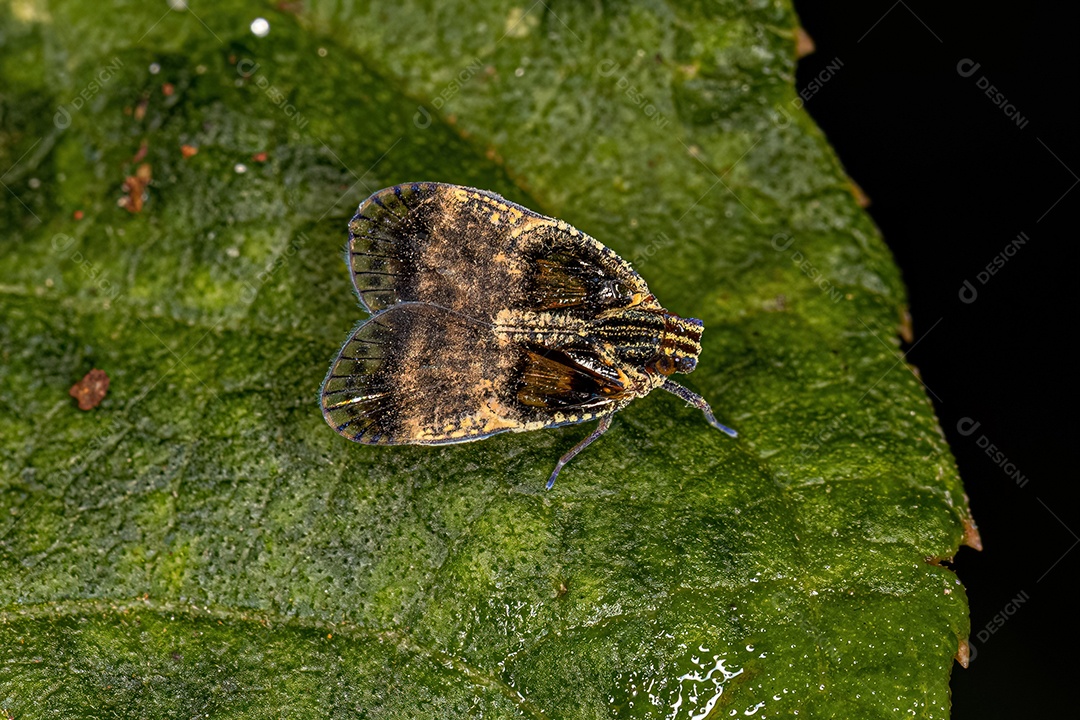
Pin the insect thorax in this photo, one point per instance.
(647, 343)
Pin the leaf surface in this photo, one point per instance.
(202, 543)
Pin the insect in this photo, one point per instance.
(487, 318)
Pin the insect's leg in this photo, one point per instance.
(697, 401)
(600, 430)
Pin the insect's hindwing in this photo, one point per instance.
(417, 373)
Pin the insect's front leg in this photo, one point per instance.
(692, 398)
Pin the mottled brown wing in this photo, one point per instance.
(476, 253)
(421, 374)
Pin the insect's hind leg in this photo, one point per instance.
(697, 401)
(605, 423)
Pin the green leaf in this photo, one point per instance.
(201, 543)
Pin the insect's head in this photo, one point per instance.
(679, 346)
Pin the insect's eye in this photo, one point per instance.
(685, 365)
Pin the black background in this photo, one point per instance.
(952, 181)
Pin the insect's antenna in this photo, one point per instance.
(697, 401)
(600, 430)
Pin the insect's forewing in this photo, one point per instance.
(384, 237)
(437, 264)
(473, 252)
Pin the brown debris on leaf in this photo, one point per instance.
(963, 653)
(804, 44)
(971, 531)
(906, 330)
(140, 108)
(861, 198)
(135, 187)
(90, 391)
